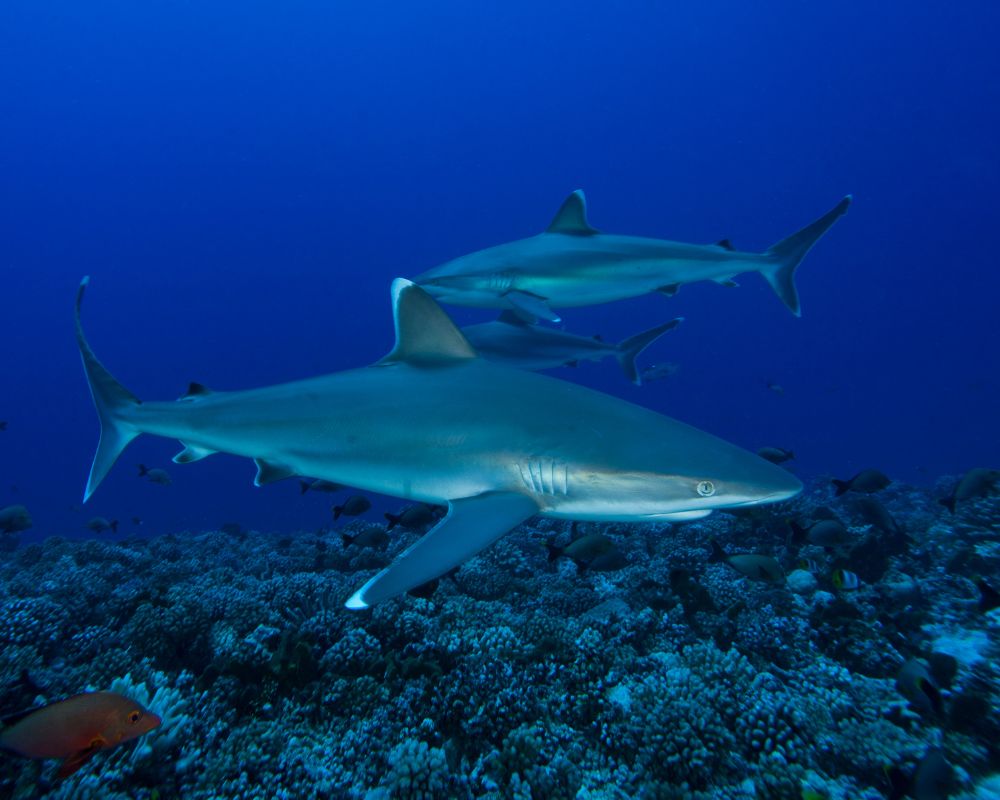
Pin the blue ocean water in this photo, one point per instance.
(242, 181)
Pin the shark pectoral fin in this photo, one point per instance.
(471, 525)
(269, 472)
(670, 289)
(530, 307)
(571, 218)
(191, 453)
(424, 333)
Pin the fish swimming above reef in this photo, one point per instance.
(977, 482)
(868, 481)
(75, 729)
(659, 371)
(573, 264)
(100, 525)
(14, 519)
(319, 485)
(776, 455)
(592, 551)
(513, 341)
(764, 569)
(419, 515)
(353, 506)
(432, 422)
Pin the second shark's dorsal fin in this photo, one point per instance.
(425, 335)
(572, 217)
(195, 390)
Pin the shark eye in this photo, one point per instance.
(706, 488)
(134, 717)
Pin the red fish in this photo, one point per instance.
(76, 728)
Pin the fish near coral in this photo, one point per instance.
(750, 565)
(413, 517)
(155, 475)
(14, 519)
(353, 506)
(100, 524)
(868, 481)
(915, 683)
(776, 455)
(977, 482)
(75, 729)
(844, 580)
(319, 485)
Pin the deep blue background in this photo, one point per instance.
(243, 181)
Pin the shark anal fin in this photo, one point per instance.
(472, 524)
(194, 391)
(530, 307)
(269, 472)
(191, 453)
(571, 218)
(424, 333)
(669, 290)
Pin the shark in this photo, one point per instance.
(434, 422)
(512, 340)
(572, 264)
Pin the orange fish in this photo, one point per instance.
(76, 728)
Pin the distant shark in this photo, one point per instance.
(435, 423)
(573, 264)
(514, 341)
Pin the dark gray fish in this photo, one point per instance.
(657, 372)
(100, 525)
(915, 683)
(353, 506)
(764, 569)
(777, 388)
(776, 455)
(934, 778)
(14, 519)
(370, 536)
(977, 482)
(319, 485)
(693, 596)
(825, 533)
(989, 598)
(412, 517)
(591, 551)
(876, 515)
(155, 475)
(3, 424)
(867, 481)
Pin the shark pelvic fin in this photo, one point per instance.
(269, 472)
(112, 400)
(424, 333)
(572, 217)
(191, 453)
(472, 524)
(530, 307)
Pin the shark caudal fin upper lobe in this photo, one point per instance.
(630, 348)
(112, 401)
(787, 254)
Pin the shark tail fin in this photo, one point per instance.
(785, 256)
(112, 401)
(630, 348)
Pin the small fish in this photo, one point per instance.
(693, 596)
(989, 598)
(915, 683)
(825, 533)
(3, 424)
(750, 565)
(416, 516)
(867, 481)
(14, 519)
(876, 515)
(76, 728)
(100, 524)
(809, 565)
(776, 455)
(657, 372)
(593, 551)
(845, 580)
(353, 506)
(319, 485)
(155, 475)
(372, 536)
(777, 388)
(136, 520)
(934, 777)
(977, 482)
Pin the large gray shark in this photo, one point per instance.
(573, 264)
(433, 422)
(512, 340)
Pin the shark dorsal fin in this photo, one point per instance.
(195, 390)
(572, 217)
(424, 333)
(725, 244)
